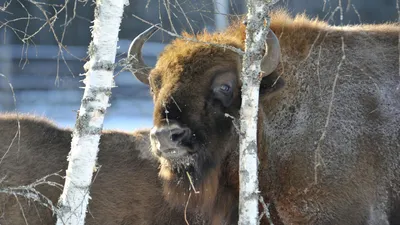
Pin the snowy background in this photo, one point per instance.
(38, 90)
(45, 86)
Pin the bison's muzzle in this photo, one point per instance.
(171, 141)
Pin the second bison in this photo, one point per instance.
(125, 190)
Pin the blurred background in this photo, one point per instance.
(43, 47)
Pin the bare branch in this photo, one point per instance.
(239, 51)
(29, 191)
(317, 155)
(18, 132)
(398, 46)
(185, 211)
(266, 211)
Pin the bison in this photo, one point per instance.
(126, 188)
(329, 121)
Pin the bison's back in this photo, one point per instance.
(126, 189)
(30, 152)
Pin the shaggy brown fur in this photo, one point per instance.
(324, 159)
(126, 188)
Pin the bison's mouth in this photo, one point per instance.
(177, 160)
(179, 156)
(174, 153)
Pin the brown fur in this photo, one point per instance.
(126, 189)
(357, 179)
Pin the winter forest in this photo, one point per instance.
(199, 112)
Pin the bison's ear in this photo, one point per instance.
(271, 85)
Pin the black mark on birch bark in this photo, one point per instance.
(251, 147)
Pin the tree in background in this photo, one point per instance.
(257, 27)
(86, 135)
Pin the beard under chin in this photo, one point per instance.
(181, 165)
(195, 165)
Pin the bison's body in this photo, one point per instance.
(125, 190)
(328, 142)
(332, 136)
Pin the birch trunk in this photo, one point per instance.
(256, 33)
(86, 135)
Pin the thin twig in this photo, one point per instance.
(191, 183)
(21, 208)
(185, 212)
(18, 132)
(30, 193)
(317, 156)
(266, 211)
(235, 123)
(398, 45)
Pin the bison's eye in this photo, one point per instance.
(225, 88)
(224, 94)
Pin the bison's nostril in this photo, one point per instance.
(178, 135)
(168, 136)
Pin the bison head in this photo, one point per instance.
(196, 91)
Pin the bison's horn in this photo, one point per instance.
(271, 60)
(138, 67)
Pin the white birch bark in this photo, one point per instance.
(256, 34)
(89, 124)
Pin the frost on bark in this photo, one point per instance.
(86, 134)
(256, 34)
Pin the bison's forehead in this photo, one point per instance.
(184, 59)
(188, 74)
(186, 64)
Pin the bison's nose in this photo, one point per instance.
(171, 140)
